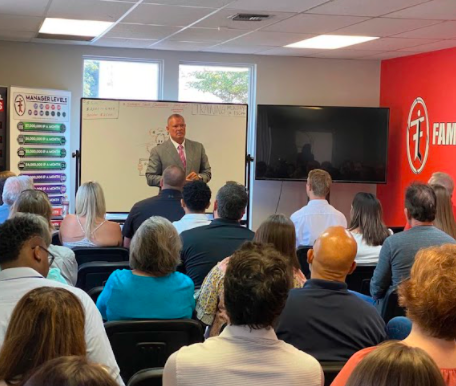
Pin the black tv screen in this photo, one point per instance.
(348, 142)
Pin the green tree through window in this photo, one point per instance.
(91, 78)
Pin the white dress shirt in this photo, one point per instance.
(176, 145)
(313, 219)
(190, 221)
(16, 282)
(241, 356)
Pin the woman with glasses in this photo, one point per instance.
(65, 267)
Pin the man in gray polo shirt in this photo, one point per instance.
(398, 251)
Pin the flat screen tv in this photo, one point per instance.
(350, 143)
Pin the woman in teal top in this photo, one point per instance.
(153, 289)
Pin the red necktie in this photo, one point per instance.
(182, 156)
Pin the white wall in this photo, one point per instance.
(280, 80)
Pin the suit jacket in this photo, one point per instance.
(164, 155)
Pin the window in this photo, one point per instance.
(122, 80)
(211, 83)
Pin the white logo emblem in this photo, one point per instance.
(418, 136)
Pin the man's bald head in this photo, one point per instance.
(333, 255)
(173, 178)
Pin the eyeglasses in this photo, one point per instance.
(51, 257)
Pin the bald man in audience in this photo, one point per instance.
(323, 318)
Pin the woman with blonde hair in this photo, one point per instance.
(37, 202)
(152, 289)
(88, 227)
(444, 218)
(428, 296)
(46, 323)
(277, 230)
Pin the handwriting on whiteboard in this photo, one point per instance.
(220, 110)
(100, 109)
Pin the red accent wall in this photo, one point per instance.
(431, 76)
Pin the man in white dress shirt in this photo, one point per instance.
(196, 198)
(248, 352)
(25, 262)
(313, 219)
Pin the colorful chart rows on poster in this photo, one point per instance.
(39, 138)
(3, 110)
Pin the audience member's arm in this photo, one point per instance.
(126, 242)
(381, 280)
(127, 229)
(169, 373)
(206, 307)
(70, 266)
(103, 298)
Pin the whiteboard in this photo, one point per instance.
(117, 136)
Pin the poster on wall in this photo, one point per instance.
(3, 122)
(39, 121)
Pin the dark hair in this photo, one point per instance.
(257, 281)
(232, 199)
(279, 231)
(395, 364)
(421, 202)
(71, 371)
(197, 196)
(15, 232)
(367, 216)
(46, 323)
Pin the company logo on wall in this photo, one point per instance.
(19, 105)
(418, 136)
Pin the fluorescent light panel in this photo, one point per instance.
(331, 42)
(74, 27)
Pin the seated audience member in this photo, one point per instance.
(11, 190)
(153, 289)
(428, 296)
(3, 177)
(277, 230)
(323, 318)
(313, 219)
(196, 198)
(248, 352)
(167, 204)
(398, 251)
(24, 263)
(444, 218)
(204, 247)
(89, 228)
(395, 364)
(70, 371)
(37, 202)
(46, 323)
(367, 228)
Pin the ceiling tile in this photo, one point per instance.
(182, 46)
(276, 5)
(314, 24)
(436, 9)
(20, 23)
(207, 35)
(283, 51)
(166, 15)
(390, 44)
(445, 30)
(273, 39)
(343, 54)
(130, 43)
(364, 7)
(223, 19)
(88, 9)
(23, 7)
(140, 31)
(227, 48)
(192, 3)
(389, 55)
(384, 27)
(441, 45)
(18, 36)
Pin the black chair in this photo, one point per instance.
(56, 239)
(147, 377)
(359, 280)
(89, 255)
(302, 258)
(145, 344)
(331, 369)
(95, 292)
(390, 307)
(95, 274)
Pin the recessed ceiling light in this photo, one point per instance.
(331, 42)
(73, 27)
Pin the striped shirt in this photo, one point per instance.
(241, 356)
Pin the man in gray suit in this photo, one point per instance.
(177, 150)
